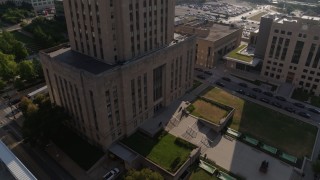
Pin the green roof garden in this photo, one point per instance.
(165, 150)
(238, 56)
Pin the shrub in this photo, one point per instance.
(182, 143)
(191, 108)
(174, 165)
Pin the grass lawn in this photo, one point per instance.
(300, 95)
(162, 150)
(208, 111)
(235, 55)
(257, 17)
(84, 154)
(199, 174)
(271, 127)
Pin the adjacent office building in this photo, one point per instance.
(291, 50)
(213, 40)
(124, 64)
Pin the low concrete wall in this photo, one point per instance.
(223, 122)
(194, 155)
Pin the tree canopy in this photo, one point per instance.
(8, 67)
(42, 120)
(26, 70)
(9, 45)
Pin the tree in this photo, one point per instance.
(26, 70)
(143, 174)
(9, 45)
(43, 121)
(37, 67)
(8, 67)
(2, 84)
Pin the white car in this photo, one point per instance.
(111, 174)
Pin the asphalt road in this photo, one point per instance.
(36, 160)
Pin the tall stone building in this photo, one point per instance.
(291, 49)
(123, 65)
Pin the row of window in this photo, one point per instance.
(289, 33)
(141, 96)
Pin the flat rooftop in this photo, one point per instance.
(218, 31)
(64, 54)
(80, 61)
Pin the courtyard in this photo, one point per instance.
(271, 127)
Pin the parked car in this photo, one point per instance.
(289, 109)
(281, 98)
(317, 111)
(257, 90)
(276, 104)
(268, 94)
(304, 114)
(201, 76)
(299, 105)
(219, 84)
(243, 85)
(265, 100)
(208, 72)
(252, 95)
(111, 174)
(198, 69)
(240, 91)
(226, 79)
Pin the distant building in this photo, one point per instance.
(58, 4)
(213, 40)
(38, 5)
(291, 51)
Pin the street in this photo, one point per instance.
(36, 160)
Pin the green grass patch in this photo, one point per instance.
(84, 154)
(300, 95)
(258, 16)
(198, 173)
(166, 150)
(208, 111)
(271, 127)
(235, 55)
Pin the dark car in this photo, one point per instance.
(257, 90)
(240, 91)
(252, 95)
(219, 84)
(201, 77)
(268, 94)
(276, 104)
(264, 100)
(304, 114)
(314, 110)
(281, 98)
(226, 79)
(289, 109)
(198, 69)
(299, 105)
(243, 85)
(208, 72)
(14, 101)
